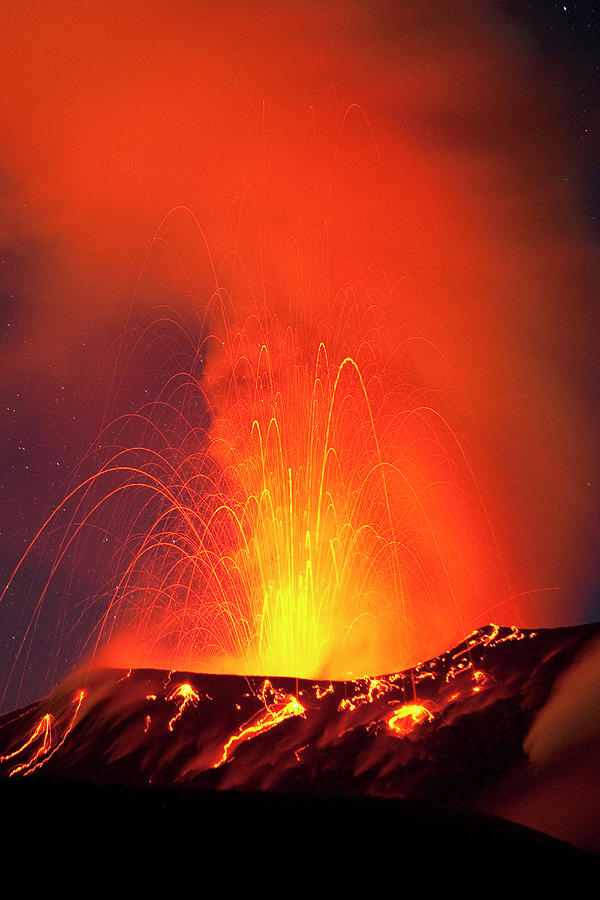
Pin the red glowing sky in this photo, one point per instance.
(434, 145)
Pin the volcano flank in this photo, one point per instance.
(422, 756)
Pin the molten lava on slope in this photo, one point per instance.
(443, 730)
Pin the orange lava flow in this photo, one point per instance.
(43, 729)
(282, 706)
(43, 733)
(186, 695)
(403, 720)
(375, 688)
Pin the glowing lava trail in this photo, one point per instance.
(187, 696)
(45, 739)
(279, 706)
(404, 719)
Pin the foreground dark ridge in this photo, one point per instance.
(445, 733)
(265, 837)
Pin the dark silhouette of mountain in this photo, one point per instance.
(412, 762)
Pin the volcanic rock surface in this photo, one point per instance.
(439, 741)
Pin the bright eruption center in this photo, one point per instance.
(316, 530)
(275, 550)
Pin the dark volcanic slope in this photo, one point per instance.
(438, 731)
(444, 732)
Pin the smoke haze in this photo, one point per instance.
(426, 143)
(558, 792)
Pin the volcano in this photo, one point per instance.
(430, 759)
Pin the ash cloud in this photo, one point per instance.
(118, 114)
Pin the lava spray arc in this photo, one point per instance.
(320, 546)
(290, 504)
(298, 544)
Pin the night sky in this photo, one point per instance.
(487, 126)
